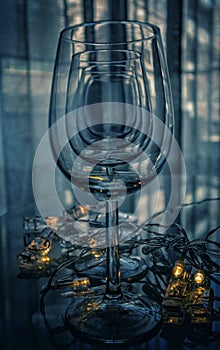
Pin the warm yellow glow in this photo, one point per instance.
(178, 269)
(80, 283)
(200, 290)
(45, 251)
(199, 277)
(79, 211)
(84, 210)
(92, 306)
(40, 245)
(94, 177)
(96, 253)
(45, 259)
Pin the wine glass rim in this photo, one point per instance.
(155, 32)
(136, 56)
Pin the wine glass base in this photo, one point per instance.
(132, 268)
(128, 320)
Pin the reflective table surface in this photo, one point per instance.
(22, 325)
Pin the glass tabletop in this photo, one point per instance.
(22, 325)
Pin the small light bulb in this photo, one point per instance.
(178, 268)
(45, 259)
(96, 253)
(81, 284)
(199, 277)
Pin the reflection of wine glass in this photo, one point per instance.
(111, 84)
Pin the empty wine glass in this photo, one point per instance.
(111, 86)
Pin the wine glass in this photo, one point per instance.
(111, 86)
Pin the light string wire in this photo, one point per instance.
(51, 285)
(195, 252)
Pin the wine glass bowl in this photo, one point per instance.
(114, 76)
(111, 87)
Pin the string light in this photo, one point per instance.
(80, 285)
(199, 277)
(188, 297)
(178, 269)
(45, 259)
(173, 304)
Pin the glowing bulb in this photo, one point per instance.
(92, 306)
(178, 269)
(96, 253)
(81, 284)
(45, 259)
(199, 277)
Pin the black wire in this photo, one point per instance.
(49, 286)
(196, 253)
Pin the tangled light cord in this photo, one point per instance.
(160, 251)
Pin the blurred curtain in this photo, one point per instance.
(29, 31)
(200, 117)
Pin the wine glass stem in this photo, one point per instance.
(113, 288)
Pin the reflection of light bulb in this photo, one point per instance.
(46, 251)
(96, 253)
(199, 277)
(81, 284)
(92, 306)
(178, 268)
(79, 211)
(45, 259)
(92, 242)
